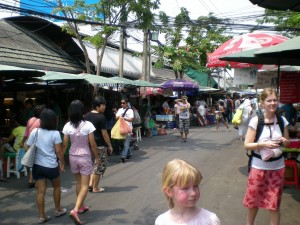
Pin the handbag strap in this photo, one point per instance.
(36, 136)
(124, 112)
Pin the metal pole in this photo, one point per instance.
(145, 56)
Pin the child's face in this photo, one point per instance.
(185, 197)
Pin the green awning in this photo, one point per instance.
(200, 77)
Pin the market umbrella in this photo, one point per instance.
(100, 80)
(14, 72)
(179, 85)
(52, 76)
(288, 49)
(240, 44)
(293, 5)
(143, 83)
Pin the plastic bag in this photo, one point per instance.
(124, 127)
(115, 132)
(237, 117)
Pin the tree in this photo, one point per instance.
(286, 22)
(188, 41)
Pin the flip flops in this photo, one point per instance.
(83, 209)
(74, 216)
(44, 220)
(99, 190)
(60, 213)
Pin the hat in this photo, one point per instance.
(184, 97)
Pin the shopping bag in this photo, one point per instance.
(124, 127)
(29, 157)
(237, 117)
(115, 132)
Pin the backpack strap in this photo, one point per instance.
(125, 112)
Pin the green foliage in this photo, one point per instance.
(284, 21)
(187, 41)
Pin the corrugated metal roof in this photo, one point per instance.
(20, 46)
(110, 63)
(162, 75)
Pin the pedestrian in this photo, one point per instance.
(180, 184)
(184, 117)
(166, 106)
(104, 147)
(220, 115)
(201, 112)
(49, 162)
(229, 108)
(145, 116)
(33, 122)
(266, 178)
(126, 113)
(176, 114)
(247, 112)
(81, 135)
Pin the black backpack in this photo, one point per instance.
(260, 125)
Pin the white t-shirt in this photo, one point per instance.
(201, 110)
(129, 115)
(184, 110)
(85, 129)
(46, 139)
(258, 163)
(204, 217)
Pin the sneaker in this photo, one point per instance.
(123, 160)
(60, 213)
(228, 130)
(129, 157)
(74, 216)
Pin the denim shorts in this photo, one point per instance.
(41, 172)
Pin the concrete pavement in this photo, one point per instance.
(133, 193)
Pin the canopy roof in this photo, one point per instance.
(293, 5)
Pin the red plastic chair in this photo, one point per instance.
(295, 179)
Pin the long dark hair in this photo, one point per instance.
(76, 113)
(48, 120)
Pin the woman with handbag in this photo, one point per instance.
(32, 123)
(83, 144)
(127, 114)
(46, 165)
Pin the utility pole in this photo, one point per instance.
(121, 52)
(145, 56)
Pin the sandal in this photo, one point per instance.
(83, 209)
(60, 213)
(99, 190)
(74, 216)
(44, 220)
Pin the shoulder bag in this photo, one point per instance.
(29, 157)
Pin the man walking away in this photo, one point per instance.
(97, 118)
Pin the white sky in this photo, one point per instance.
(221, 8)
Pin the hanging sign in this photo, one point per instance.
(245, 76)
(289, 88)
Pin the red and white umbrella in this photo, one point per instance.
(242, 43)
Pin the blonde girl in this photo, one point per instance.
(180, 183)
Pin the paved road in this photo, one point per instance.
(133, 193)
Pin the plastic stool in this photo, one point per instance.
(295, 179)
(138, 134)
(9, 156)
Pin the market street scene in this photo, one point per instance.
(163, 112)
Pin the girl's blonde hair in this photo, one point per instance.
(181, 173)
(266, 92)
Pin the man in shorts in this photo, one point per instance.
(97, 118)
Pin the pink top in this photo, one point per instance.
(31, 124)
